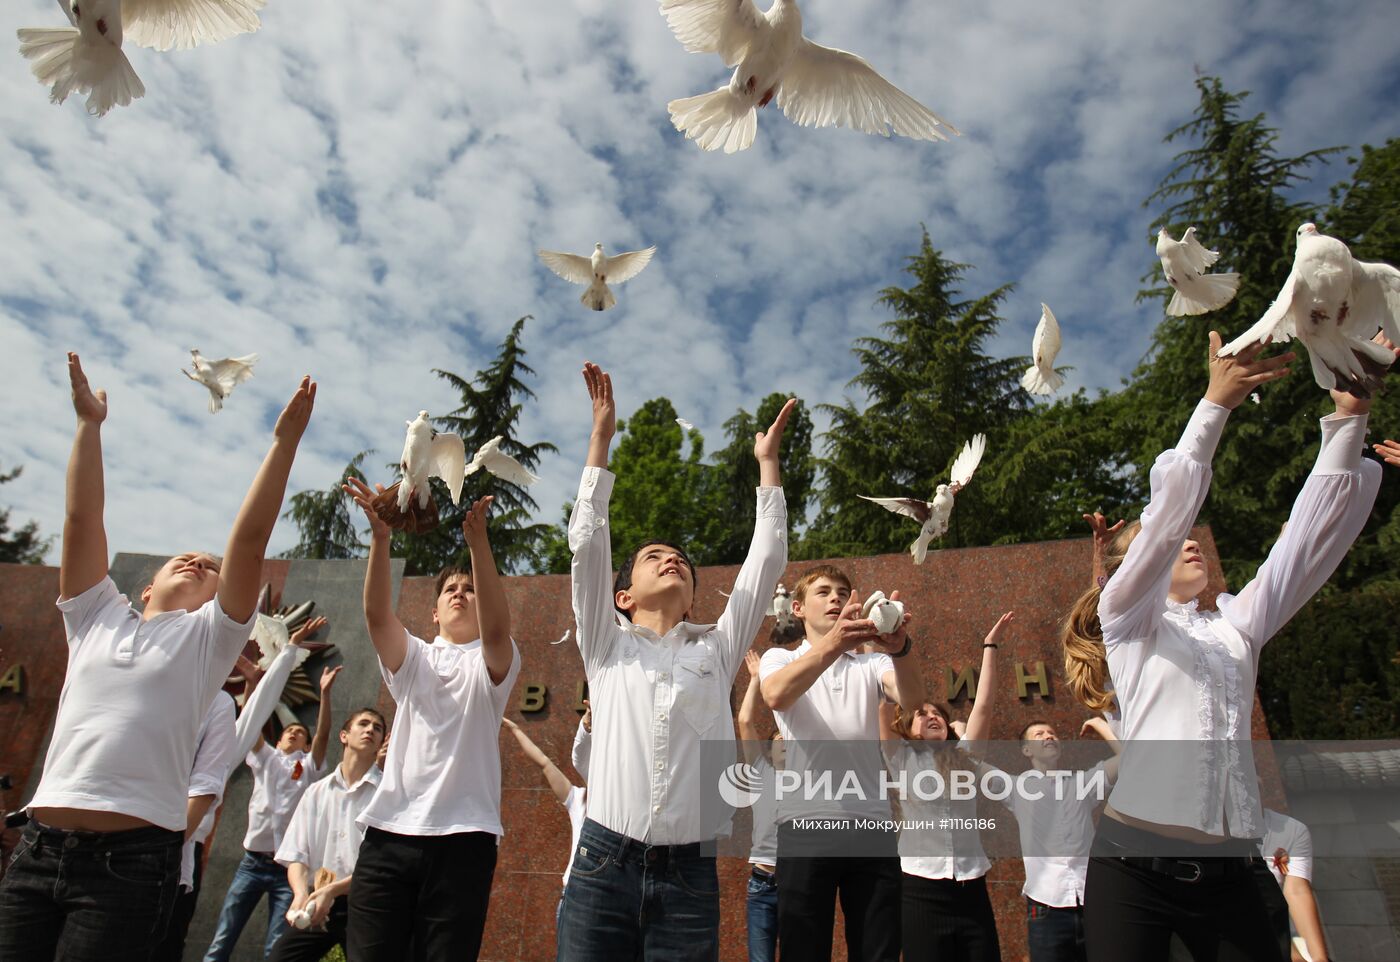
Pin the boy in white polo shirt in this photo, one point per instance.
(429, 854)
(281, 776)
(97, 870)
(824, 693)
(322, 842)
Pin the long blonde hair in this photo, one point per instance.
(1086, 662)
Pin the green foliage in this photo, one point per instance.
(491, 405)
(23, 546)
(326, 519)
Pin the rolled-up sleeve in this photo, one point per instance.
(758, 577)
(591, 571)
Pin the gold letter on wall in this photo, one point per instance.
(1038, 678)
(532, 699)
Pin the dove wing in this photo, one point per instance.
(506, 468)
(725, 27)
(1195, 253)
(1047, 337)
(181, 24)
(967, 460)
(909, 507)
(572, 267)
(1277, 322)
(271, 636)
(625, 266)
(1375, 292)
(231, 371)
(447, 457)
(824, 87)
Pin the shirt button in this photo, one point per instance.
(663, 676)
(599, 522)
(660, 766)
(656, 808)
(660, 716)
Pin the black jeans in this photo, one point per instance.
(1055, 933)
(868, 887)
(88, 895)
(430, 891)
(311, 945)
(172, 947)
(949, 920)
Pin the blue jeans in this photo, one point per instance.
(1054, 934)
(256, 875)
(629, 900)
(763, 918)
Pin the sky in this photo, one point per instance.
(357, 191)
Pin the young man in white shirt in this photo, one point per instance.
(1287, 849)
(766, 759)
(641, 886)
(826, 698)
(281, 776)
(429, 854)
(97, 869)
(322, 842)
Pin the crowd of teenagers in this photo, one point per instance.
(391, 852)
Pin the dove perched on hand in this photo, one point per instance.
(597, 270)
(408, 505)
(934, 515)
(1185, 262)
(1041, 377)
(220, 376)
(502, 465)
(87, 56)
(1334, 305)
(815, 86)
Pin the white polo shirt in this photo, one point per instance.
(132, 702)
(279, 780)
(842, 705)
(1057, 832)
(576, 804)
(443, 772)
(323, 832)
(213, 760)
(1286, 841)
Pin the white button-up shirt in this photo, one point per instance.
(322, 832)
(1056, 834)
(213, 760)
(942, 846)
(279, 780)
(1182, 675)
(656, 699)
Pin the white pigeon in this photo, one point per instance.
(220, 376)
(934, 515)
(815, 86)
(886, 613)
(272, 637)
(1041, 377)
(781, 608)
(596, 271)
(1184, 262)
(502, 465)
(87, 56)
(427, 454)
(1334, 305)
(685, 425)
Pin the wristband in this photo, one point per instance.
(908, 643)
(988, 644)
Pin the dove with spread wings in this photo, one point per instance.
(934, 515)
(502, 465)
(1185, 263)
(220, 376)
(815, 86)
(596, 271)
(1041, 377)
(408, 505)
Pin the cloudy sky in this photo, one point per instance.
(358, 189)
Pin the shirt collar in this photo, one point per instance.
(441, 642)
(690, 631)
(1183, 607)
(371, 775)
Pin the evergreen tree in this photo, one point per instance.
(491, 405)
(22, 546)
(326, 519)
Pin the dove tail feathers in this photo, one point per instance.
(216, 403)
(1035, 381)
(1358, 368)
(599, 297)
(718, 119)
(1203, 293)
(64, 62)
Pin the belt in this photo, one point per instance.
(763, 875)
(1191, 869)
(267, 856)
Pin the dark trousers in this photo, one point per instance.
(868, 889)
(88, 895)
(1055, 933)
(627, 900)
(948, 920)
(1132, 911)
(311, 945)
(172, 947)
(430, 891)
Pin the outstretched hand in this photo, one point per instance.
(994, 636)
(893, 643)
(850, 630)
(291, 423)
(474, 524)
(1389, 451)
(767, 443)
(752, 660)
(1103, 531)
(1349, 404)
(308, 628)
(600, 392)
(361, 494)
(1233, 377)
(89, 405)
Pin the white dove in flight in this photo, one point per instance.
(408, 504)
(815, 86)
(87, 56)
(597, 271)
(1041, 377)
(685, 425)
(220, 376)
(502, 465)
(934, 515)
(1184, 262)
(1334, 305)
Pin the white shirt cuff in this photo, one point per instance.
(1343, 437)
(596, 484)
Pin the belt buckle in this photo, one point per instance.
(1194, 865)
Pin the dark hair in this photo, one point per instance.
(1030, 725)
(286, 728)
(451, 571)
(364, 711)
(623, 581)
(903, 725)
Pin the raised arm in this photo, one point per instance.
(322, 738)
(979, 721)
(1100, 727)
(1103, 537)
(492, 612)
(583, 742)
(1136, 593)
(589, 534)
(83, 561)
(748, 709)
(241, 576)
(553, 777)
(386, 632)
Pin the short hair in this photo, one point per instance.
(623, 581)
(1038, 721)
(364, 711)
(447, 574)
(287, 728)
(820, 571)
